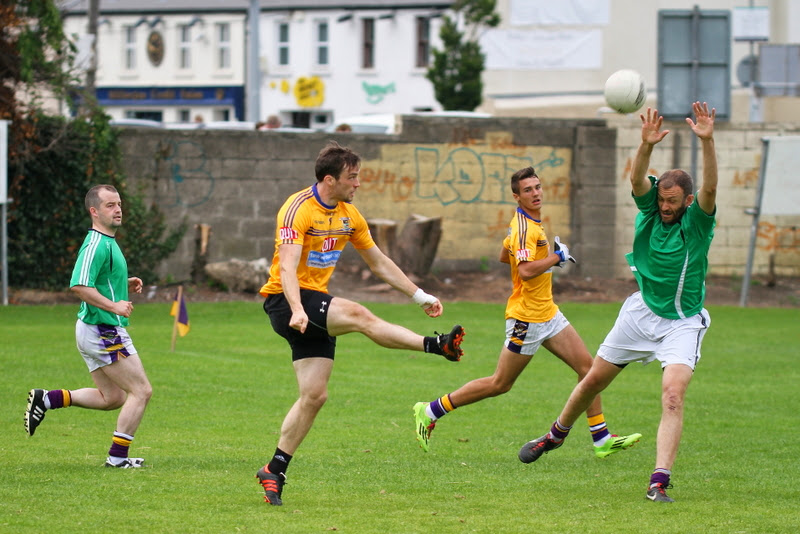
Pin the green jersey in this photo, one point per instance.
(670, 261)
(102, 266)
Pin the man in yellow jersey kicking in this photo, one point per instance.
(532, 320)
(313, 226)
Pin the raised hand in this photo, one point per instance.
(651, 127)
(704, 127)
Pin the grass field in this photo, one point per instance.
(220, 397)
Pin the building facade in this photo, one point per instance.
(181, 61)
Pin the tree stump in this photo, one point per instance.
(384, 233)
(418, 243)
(202, 235)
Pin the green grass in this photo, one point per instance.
(219, 400)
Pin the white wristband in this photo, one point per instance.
(423, 299)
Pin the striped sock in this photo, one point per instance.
(439, 408)
(120, 444)
(660, 476)
(599, 429)
(57, 398)
(558, 431)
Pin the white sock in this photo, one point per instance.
(429, 412)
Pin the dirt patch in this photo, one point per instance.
(356, 284)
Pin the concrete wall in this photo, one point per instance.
(455, 168)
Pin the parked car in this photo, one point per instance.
(136, 123)
(390, 123)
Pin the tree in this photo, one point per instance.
(35, 55)
(54, 160)
(457, 67)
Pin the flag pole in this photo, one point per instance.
(177, 315)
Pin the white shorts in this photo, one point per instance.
(641, 335)
(101, 344)
(526, 338)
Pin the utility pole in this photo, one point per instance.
(91, 72)
(253, 64)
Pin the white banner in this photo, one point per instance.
(781, 194)
(543, 50)
(4, 161)
(559, 12)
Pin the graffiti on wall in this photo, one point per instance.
(465, 175)
(187, 167)
(773, 238)
(375, 92)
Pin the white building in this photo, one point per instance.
(551, 59)
(320, 61)
(175, 61)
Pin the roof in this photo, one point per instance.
(80, 7)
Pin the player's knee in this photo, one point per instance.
(363, 318)
(145, 391)
(316, 399)
(114, 400)
(499, 387)
(672, 399)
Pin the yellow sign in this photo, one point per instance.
(309, 92)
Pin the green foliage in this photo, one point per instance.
(206, 432)
(141, 236)
(457, 67)
(48, 221)
(35, 54)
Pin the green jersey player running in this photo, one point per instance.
(665, 320)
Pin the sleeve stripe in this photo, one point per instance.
(291, 212)
(88, 258)
(522, 222)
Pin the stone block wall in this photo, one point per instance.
(739, 151)
(456, 168)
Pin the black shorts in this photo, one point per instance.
(315, 342)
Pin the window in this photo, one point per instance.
(185, 46)
(423, 41)
(283, 43)
(322, 42)
(130, 47)
(223, 45)
(184, 115)
(368, 43)
(222, 114)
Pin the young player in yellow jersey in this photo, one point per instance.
(532, 320)
(313, 226)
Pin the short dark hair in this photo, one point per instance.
(527, 172)
(333, 159)
(92, 199)
(677, 177)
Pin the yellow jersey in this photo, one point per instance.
(531, 300)
(323, 231)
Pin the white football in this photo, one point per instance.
(625, 91)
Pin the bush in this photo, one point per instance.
(47, 221)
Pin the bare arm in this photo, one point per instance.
(532, 269)
(92, 296)
(388, 271)
(704, 130)
(289, 261)
(504, 257)
(651, 136)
